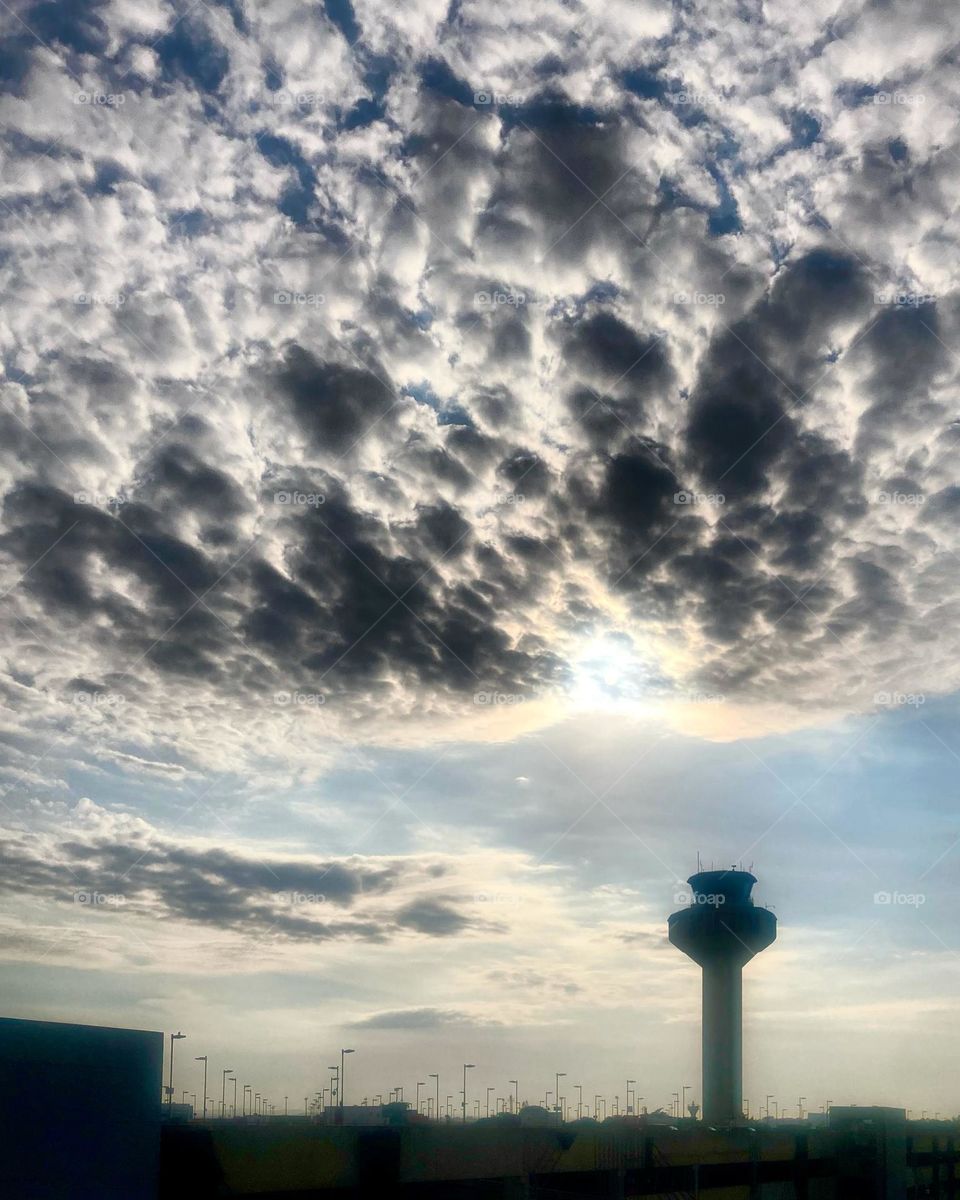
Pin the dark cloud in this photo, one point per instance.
(268, 897)
(335, 405)
(419, 1018)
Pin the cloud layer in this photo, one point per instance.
(380, 393)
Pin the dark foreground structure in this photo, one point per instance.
(79, 1112)
(863, 1154)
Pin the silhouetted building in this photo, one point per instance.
(722, 930)
(79, 1111)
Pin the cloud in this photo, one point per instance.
(420, 1018)
(135, 871)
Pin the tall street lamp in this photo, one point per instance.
(246, 1088)
(420, 1084)
(466, 1067)
(234, 1097)
(686, 1088)
(342, 1089)
(223, 1091)
(560, 1075)
(437, 1109)
(334, 1085)
(516, 1095)
(174, 1037)
(203, 1058)
(579, 1087)
(631, 1107)
(489, 1090)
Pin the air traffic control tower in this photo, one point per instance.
(721, 930)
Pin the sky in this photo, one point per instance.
(460, 462)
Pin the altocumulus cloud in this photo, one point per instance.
(374, 387)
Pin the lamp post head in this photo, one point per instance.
(175, 1037)
(346, 1051)
(200, 1058)
(466, 1065)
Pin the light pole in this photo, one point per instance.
(420, 1084)
(334, 1085)
(449, 1106)
(579, 1087)
(174, 1037)
(516, 1094)
(246, 1088)
(234, 1097)
(630, 1107)
(800, 1101)
(676, 1102)
(769, 1098)
(686, 1088)
(436, 1111)
(223, 1091)
(466, 1067)
(342, 1088)
(203, 1058)
(559, 1075)
(489, 1090)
